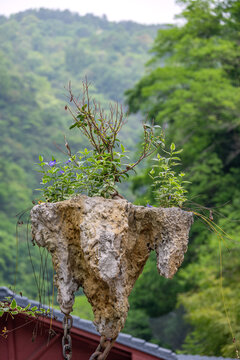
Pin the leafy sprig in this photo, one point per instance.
(10, 306)
(168, 186)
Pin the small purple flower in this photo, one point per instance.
(61, 172)
(52, 163)
(67, 162)
(148, 205)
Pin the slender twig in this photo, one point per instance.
(102, 131)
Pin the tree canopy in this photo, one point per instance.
(192, 89)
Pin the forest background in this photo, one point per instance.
(191, 87)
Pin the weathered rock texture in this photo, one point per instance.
(103, 245)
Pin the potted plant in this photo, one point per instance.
(98, 240)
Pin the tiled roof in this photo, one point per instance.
(123, 339)
(198, 357)
(88, 326)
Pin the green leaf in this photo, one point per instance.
(73, 126)
(27, 307)
(14, 312)
(122, 148)
(177, 152)
(40, 158)
(13, 304)
(172, 147)
(30, 313)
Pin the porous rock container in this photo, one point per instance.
(102, 246)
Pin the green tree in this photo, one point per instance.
(192, 89)
(212, 304)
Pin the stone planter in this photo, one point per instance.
(103, 245)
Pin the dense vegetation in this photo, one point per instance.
(195, 97)
(191, 88)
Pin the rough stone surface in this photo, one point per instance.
(103, 245)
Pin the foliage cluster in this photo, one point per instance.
(96, 172)
(12, 308)
(168, 187)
